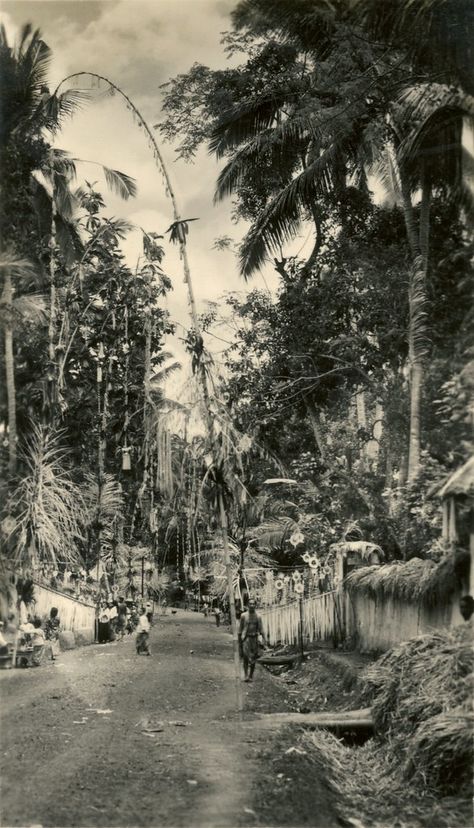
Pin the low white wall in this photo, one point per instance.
(74, 615)
(377, 624)
(371, 624)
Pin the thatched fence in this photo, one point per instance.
(374, 609)
(322, 615)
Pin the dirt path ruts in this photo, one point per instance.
(106, 738)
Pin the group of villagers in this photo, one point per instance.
(31, 639)
(119, 618)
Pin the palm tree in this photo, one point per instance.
(15, 310)
(33, 172)
(46, 509)
(420, 124)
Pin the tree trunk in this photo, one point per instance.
(316, 426)
(52, 372)
(414, 444)
(7, 301)
(417, 300)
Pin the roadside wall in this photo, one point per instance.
(370, 624)
(75, 615)
(377, 624)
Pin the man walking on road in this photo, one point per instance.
(250, 628)
(143, 634)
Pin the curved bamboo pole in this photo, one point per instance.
(202, 371)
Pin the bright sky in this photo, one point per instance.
(140, 45)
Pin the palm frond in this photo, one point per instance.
(273, 534)
(120, 183)
(60, 106)
(280, 143)
(280, 221)
(110, 496)
(68, 240)
(21, 269)
(31, 308)
(246, 121)
(160, 376)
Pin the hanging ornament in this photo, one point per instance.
(296, 538)
(306, 557)
(299, 588)
(244, 444)
(279, 584)
(126, 460)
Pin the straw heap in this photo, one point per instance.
(422, 691)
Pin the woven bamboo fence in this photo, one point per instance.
(75, 615)
(323, 620)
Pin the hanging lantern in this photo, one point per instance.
(296, 538)
(126, 460)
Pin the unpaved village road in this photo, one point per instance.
(107, 738)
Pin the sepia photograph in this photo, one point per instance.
(236, 413)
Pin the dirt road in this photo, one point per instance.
(107, 738)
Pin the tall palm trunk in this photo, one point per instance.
(52, 372)
(7, 301)
(316, 426)
(417, 300)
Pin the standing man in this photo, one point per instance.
(121, 626)
(250, 628)
(143, 634)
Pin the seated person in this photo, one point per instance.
(26, 633)
(38, 638)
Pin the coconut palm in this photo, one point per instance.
(33, 173)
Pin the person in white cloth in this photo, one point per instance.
(143, 634)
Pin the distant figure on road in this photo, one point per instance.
(121, 625)
(51, 631)
(217, 615)
(143, 634)
(249, 630)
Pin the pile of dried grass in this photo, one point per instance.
(421, 695)
(369, 788)
(409, 581)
